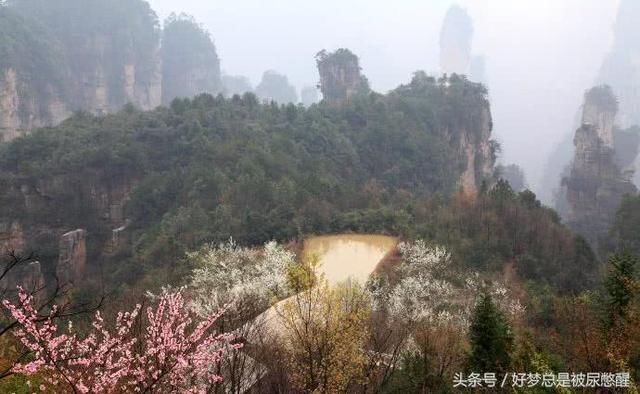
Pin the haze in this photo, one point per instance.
(541, 55)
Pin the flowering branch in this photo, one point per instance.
(171, 352)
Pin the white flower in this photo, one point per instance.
(426, 290)
(237, 277)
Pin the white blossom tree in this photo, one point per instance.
(244, 280)
(431, 290)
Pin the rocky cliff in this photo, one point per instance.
(11, 237)
(478, 153)
(72, 260)
(455, 42)
(276, 87)
(340, 76)
(621, 67)
(596, 183)
(456, 39)
(75, 55)
(20, 112)
(28, 274)
(32, 76)
(190, 63)
(43, 211)
(148, 186)
(466, 124)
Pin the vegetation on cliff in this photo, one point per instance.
(209, 168)
(28, 51)
(96, 35)
(340, 76)
(600, 176)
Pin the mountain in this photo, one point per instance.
(147, 186)
(75, 55)
(600, 175)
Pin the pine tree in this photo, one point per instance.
(619, 287)
(491, 338)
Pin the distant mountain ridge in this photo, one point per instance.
(65, 56)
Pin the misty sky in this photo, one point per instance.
(541, 55)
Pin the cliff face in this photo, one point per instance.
(479, 160)
(103, 85)
(11, 237)
(75, 55)
(340, 77)
(143, 87)
(599, 111)
(463, 113)
(31, 76)
(455, 42)
(20, 113)
(73, 257)
(29, 274)
(111, 79)
(10, 122)
(44, 211)
(190, 62)
(276, 87)
(596, 183)
(456, 38)
(621, 67)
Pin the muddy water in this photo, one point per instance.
(341, 257)
(347, 256)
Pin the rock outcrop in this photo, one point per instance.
(466, 124)
(599, 110)
(456, 39)
(20, 113)
(309, 95)
(75, 56)
(31, 77)
(28, 275)
(276, 87)
(12, 237)
(10, 121)
(340, 77)
(621, 67)
(596, 183)
(72, 258)
(455, 42)
(190, 63)
(477, 149)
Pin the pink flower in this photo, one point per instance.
(172, 351)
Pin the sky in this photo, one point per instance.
(541, 55)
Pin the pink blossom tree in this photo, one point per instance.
(162, 350)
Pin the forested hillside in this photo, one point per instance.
(206, 169)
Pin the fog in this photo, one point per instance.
(541, 55)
